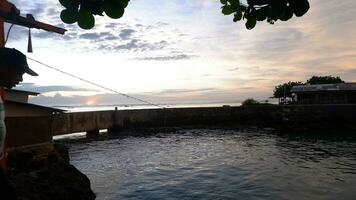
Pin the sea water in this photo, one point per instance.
(211, 164)
(86, 108)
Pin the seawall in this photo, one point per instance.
(24, 131)
(293, 117)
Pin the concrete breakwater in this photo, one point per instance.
(271, 116)
(36, 130)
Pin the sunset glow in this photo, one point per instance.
(186, 51)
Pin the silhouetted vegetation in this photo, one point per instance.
(283, 91)
(83, 11)
(253, 102)
(324, 80)
(261, 10)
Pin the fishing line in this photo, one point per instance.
(95, 84)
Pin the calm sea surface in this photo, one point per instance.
(84, 108)
(219, 164)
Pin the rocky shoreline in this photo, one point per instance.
(45, 173)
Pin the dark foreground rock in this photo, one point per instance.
(46, 174)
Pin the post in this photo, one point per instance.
(93, 134)
(116, 127)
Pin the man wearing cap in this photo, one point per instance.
(13, 65)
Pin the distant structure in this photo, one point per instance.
(17, 105)
(340, 93)
(26, 123)
(19, 95)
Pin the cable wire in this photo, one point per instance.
(97, 85)
(8, 33)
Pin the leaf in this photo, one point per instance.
(234, 3)
(70, 4)
(261, 14)
(287, 14)
(223, 2)
(258, 2)
(95, 7)
(300, 7)
(124, 3)
(237, 16)
(69, 16)
(227, 10)
(85, 19)
(251, 23)
(114, 9)
(272, 13)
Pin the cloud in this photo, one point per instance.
(53, 88)
(179, 91)
(92, 36)
(170, 96)
(139, 45)
(126, 34)
(168, 57)
(233, 69)
(122, 37)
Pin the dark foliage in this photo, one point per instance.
(261, 10)
(250, 102)
(283, 90)
(324, 80)
(83, 11)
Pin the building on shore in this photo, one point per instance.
(340, 93)
(26, 123)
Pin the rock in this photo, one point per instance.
(49, 177)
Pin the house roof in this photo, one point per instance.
(324, 88)
(22, 91)
(34, 106)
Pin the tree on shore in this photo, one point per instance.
(83, 11)
(283, 92)
(254, 102)
(250, 102)
(324, 80)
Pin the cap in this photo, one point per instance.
(14, 58)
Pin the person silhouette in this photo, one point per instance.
(13, 65)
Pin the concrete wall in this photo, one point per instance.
(82, 122)
(306, 116)
(23, 131)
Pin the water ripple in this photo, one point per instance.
(218, 164)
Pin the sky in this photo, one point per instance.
(182, 51)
